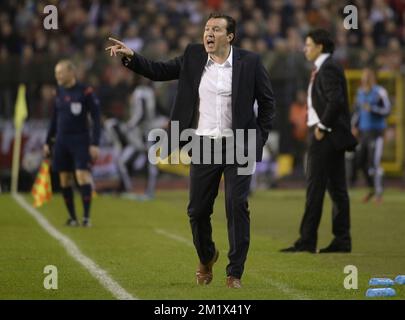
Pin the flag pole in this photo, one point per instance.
(20, 114)
(16, 161)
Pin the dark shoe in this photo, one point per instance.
(204, 272)
(86, 223)
(298, 249)
(336, 248)
(72, 223)
(234, 283)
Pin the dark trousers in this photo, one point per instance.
(325, 170)
(369, 156)
(204, 184)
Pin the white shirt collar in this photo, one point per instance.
(227, 63)
(320, 60)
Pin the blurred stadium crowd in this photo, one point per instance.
(161, 29)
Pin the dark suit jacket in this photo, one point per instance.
(250, 81)
(331, 103)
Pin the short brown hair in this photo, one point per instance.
(230, 23)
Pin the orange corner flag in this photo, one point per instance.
(42, 188)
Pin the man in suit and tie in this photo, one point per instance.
(218, 85)
(330, 136)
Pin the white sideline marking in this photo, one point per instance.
(174, 237)
(278, 285)
(101, 275)
(297, 295)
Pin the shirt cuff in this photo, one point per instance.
(323, 128)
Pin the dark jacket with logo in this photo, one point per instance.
(70, 114)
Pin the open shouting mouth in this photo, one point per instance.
(210, 43)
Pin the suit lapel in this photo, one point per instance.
(236, 67)
(201, 62)
(199, 65)
(317, 91)
(323, 64)
(316, 85)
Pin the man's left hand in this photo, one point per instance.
(319, 134)
(94, 152)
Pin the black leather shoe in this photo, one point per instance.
(298, 249)
(335, 248)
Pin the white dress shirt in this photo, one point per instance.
(313, 118)
(215, 93)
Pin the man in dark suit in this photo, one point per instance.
(330, 136)
(218, 85)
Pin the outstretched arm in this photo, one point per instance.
(156, 71)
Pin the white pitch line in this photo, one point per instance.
(297, 295)
(278, 285)
(101, 275)
(174, 237)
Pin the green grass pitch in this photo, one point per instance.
(146, 247)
